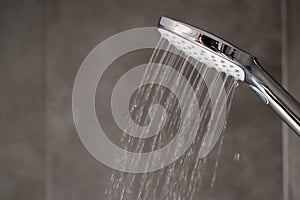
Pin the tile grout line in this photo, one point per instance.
(284, 81)
(47, 157)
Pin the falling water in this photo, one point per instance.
(188, 176)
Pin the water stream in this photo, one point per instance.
(162, 115)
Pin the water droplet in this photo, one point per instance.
(236, 157)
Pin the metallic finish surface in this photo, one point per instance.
(272, 94)
(278, 98)
(207, 40)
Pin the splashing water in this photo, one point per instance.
(161, 115)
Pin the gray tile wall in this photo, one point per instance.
(72, 29)
(22, 103)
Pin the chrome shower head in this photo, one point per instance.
(225, 57)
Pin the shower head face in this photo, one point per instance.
(205, 47)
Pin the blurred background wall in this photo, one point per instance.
(42, 46)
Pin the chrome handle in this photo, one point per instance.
(274, 95)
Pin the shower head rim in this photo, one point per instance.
(208, 41)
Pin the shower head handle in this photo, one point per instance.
(274, 95)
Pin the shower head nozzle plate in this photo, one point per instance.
(205, 47)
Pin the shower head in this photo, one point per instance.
(225, 57)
